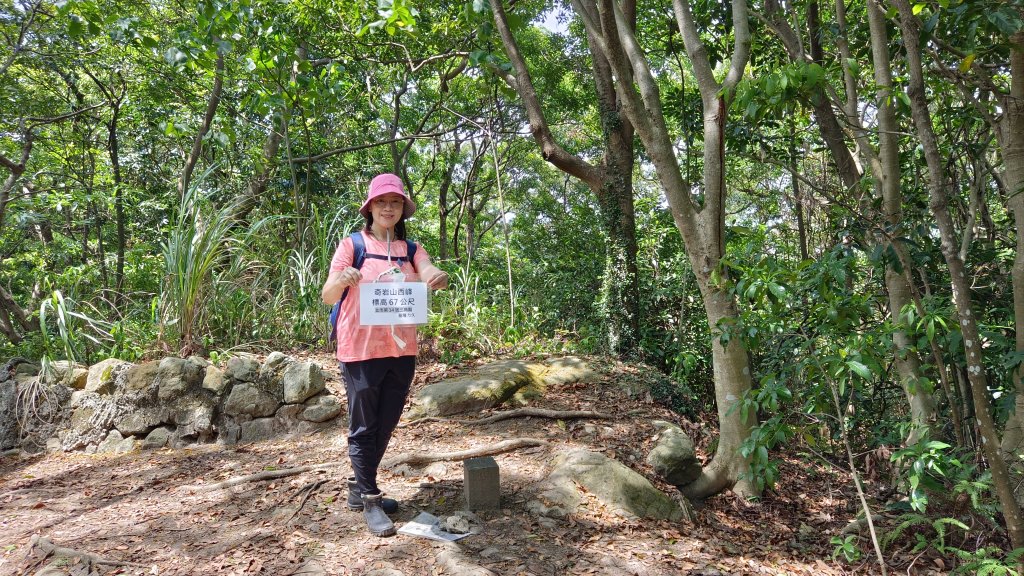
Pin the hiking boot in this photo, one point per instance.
(376, 520)
(355, 500)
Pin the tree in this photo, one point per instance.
(698, 211)
(611, 181)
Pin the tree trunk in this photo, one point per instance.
(887, 178)
(939, 204)
(701, 225)
(1011, 143)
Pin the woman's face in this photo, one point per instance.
(387, 209)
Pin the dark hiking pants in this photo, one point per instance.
(376, 390)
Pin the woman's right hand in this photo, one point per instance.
(350, 277)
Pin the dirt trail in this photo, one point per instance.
(143, 508)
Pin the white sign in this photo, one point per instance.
(384, 303)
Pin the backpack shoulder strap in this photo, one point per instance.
(411, 252)
(358, 250)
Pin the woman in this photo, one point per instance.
(376, 362)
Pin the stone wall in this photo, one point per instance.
(117, 406)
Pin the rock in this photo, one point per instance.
(620, 489)
(274, 366)
(259, 430)
(141, 376)
(242, 369)
(247, 399)
(26, 369)
(158, 438)
(495, 384)
(53, 444)
(68, 373)
(301, 380)
(114, 443)
(177, 376)
(215, 380)
(9, 431)
(194, 415)
(321, 408)
(141, 420)
(673, 456)
(103, 374)
(490, 386)
(565, 370)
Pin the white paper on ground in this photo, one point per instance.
(425, 526)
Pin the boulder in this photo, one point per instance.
(9, 430)
(194, 418)
(273, 367)
(620, 489)
(301, 380)
(141, 420)
(215, 381)
(673, 456)
(114, 443)
(495, 384)
(259, 430)
(247, 399)
(177, 376)
(158, 438)
(103, 374)
(141, 376)
(242, 369)
(488, 387)
(68, 373)
(321, 408)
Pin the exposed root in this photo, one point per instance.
(306, 492)
(518, 413)
(261, 476)
(499, 448)
(48, 549)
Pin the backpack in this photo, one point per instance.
(359, 256)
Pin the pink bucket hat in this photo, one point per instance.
(385, 184)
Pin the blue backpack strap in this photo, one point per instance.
(358, 257)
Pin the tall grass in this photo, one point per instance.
(200, 241)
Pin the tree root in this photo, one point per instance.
(50, 549)
(518, 413)
(499, 448)
(261, 476)
(306, 492)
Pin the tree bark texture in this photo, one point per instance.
(910, 27)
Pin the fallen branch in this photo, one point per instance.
(50, 549)
(261, 476)
(499, 448)
(518, 413)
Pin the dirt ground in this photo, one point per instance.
(154, 510)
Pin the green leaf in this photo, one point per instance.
(861, 370)
(917, 9)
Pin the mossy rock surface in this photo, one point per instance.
(497, 383)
